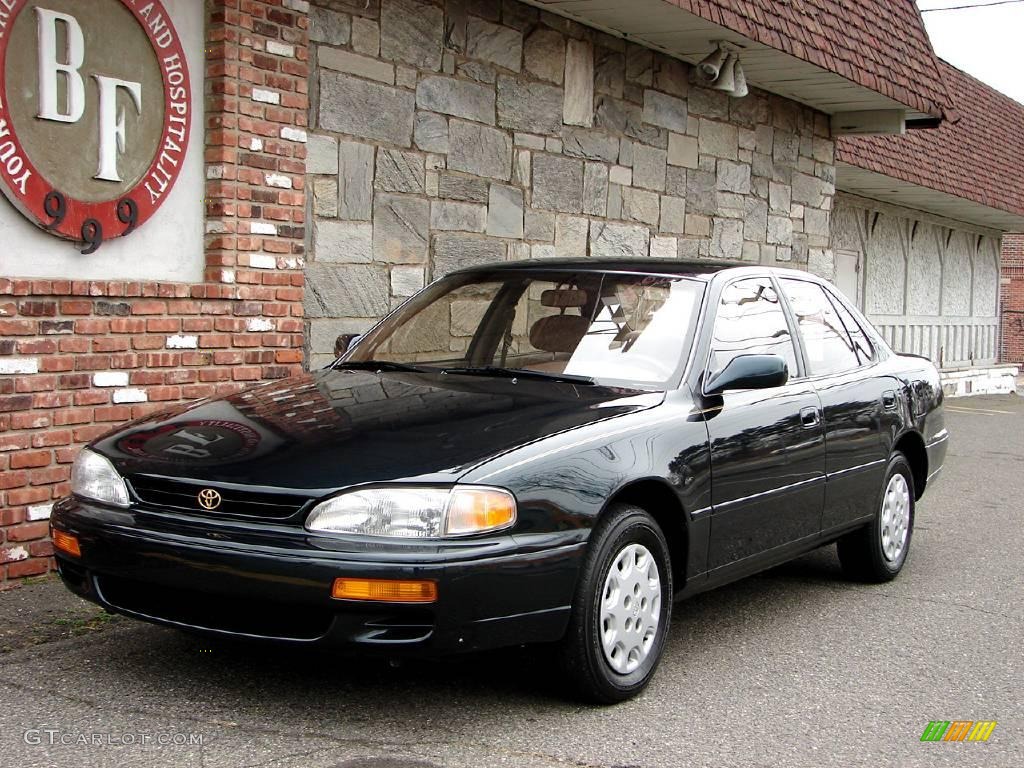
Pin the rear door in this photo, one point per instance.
(767, 445)
(858, 402)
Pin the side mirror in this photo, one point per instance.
(345, 342)
(749, 372)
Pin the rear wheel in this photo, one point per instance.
(877, 552)
(622, 608)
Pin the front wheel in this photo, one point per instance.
(622, 608)
(877, 552)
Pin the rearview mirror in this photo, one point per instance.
(749, 372)
(345, 342)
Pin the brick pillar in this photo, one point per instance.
(78, 357)
(1011, 285)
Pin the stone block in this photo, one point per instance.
(529, 106)
(618, 241)
(590, 144)
(355, 180)
(454, 251)
(430, 132)
(459, 98)
(673, 214)
(595, 189)
(578, 108)
(505, 211)
(544, 55)
(326, 26)
(719, 139)
(609, 72)
(664, 247)
(727, 239)
(325, 197)
(401, 228)
(321, 154)
(570, 236)
(345, 242)
(649, 167)
(780, 230)
(456, 187)
(494, 43)
(349, 290)
(450, 215)
(405, 281)
(641, 205)
(664, 111)
(355, 64)
(682, 150)
(733, 177)
(366, 36)
(399, 171)
(539, 225)
(368, 110)
(413, 32)
(479, 150)
(557, 183)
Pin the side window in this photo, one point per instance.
(751, 321)
(861, 342)
(827, 344)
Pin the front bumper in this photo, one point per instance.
(268, 581)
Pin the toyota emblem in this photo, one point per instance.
(209, 498)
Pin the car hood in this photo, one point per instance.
(328, 430)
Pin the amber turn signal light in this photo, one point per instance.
(67, 543)
(385, 590)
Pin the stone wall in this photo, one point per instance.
(472, 131)
(930, 284)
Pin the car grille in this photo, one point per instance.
(205, 610)
(180, 495)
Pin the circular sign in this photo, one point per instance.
(95, 113)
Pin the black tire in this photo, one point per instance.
(861, 553)
(582, 654)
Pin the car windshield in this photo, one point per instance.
(616, 329)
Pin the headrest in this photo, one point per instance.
(564, 297)
(558, 333)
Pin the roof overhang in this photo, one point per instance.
(664, 27)
(877, 186)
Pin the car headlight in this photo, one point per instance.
(93, 477)
(415, 513)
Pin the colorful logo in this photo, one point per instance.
(958, 730)
(94, 114)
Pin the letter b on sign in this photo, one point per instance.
(66, 66)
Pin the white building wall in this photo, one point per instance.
(929, 284)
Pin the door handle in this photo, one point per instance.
(889, 400)
(810, 416)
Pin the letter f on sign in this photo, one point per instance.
(49, 67)
(112, 123)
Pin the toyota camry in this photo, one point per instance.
(546, 452)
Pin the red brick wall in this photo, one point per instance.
(1012, 295)
(77, 357)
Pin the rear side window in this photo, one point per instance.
(860, 339)
(751, 321)
(828, 346)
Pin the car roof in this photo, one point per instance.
(702, 270)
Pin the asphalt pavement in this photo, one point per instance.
(794, 667)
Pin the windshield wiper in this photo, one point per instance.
(520, 373)
(375, 365)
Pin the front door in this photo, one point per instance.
(767, 446)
